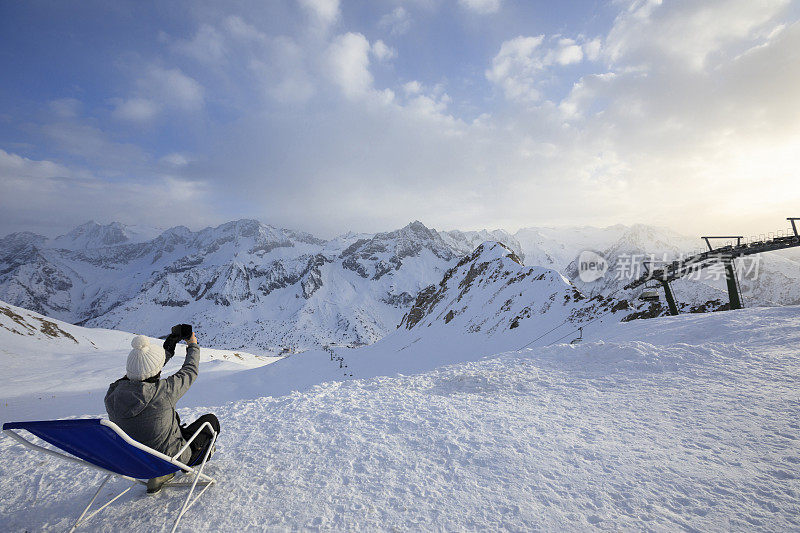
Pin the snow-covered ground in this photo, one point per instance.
(53, 369)
(676, 423)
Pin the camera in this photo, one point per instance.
(182, 331)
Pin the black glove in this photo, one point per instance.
(179, 333)
(169, 346)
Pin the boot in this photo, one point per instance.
(154, 485)
(203, 453)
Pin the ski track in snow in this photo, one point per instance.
(623, 435)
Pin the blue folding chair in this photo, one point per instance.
(102, 445)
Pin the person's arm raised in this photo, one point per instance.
(178, 383)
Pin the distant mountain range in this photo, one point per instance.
(490, 292)
(246, 284)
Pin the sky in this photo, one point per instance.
(335, 115)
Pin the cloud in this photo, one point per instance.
(592, 49)
(348, 64)
(66, 107)
(286, 75)
(585, 93)
(624, 145)
(244, 31)
(398, 21)
(382, 52)
(523, 64)
(13, 166)
(434, 106)
(324, 13)
(304, 127)
(172, 87)
(176, 160)
(482, 7)
(207, 45)
(412, 87)
(683, 122)
(686, 32)
(568, 52)
(47, 197)
(94, 145)
(515, 68)
(136, 110)
(159, 89)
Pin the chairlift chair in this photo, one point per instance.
(649, 296)
(650, 293)
(579, 338)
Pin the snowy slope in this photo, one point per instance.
(775, 281)
(677, 423)
(488, 302)
(490, 290)
(51, 368)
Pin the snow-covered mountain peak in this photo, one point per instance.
(490, 290)
(655, 239)
(176, 233)
(414, 236)
(385, 252)
(253, 235)
(20, 242)
(93, 235)
(492, 250)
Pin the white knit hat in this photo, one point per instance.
(144, 361)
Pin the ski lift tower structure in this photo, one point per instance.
(725, 254)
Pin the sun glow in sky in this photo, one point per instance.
(328, 116)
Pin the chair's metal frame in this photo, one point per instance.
(207, 480)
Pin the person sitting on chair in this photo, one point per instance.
(143, 404)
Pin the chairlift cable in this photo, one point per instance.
(567, 320)
(583, 324)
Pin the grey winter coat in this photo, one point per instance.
(145, 410)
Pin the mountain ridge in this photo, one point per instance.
(294, 291)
